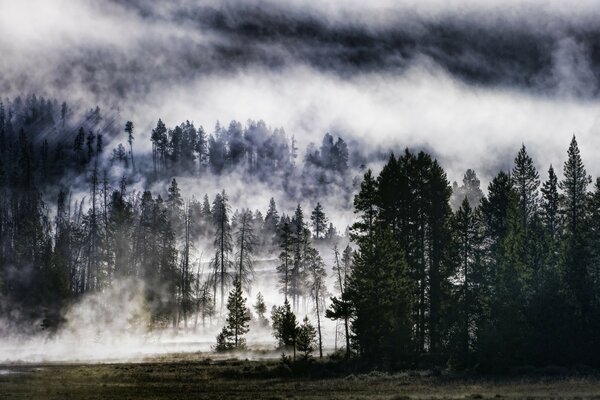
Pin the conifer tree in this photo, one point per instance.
(305, 341)
(318, 221)
(231, 337)
(159, 140)
(365, 205)
(223, 243)
(285, 256)
(261, 308)
(551, 204)
(574, 186)
(245, 239)
(285, 326)
(271, 218)
(468, 241)
(525, 179)
(300, 239)
(129, 131)
(470, 189)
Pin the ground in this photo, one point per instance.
(231, 379)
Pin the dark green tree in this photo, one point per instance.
(305, 341)
(285, 326)
(237, 320)
(525, 179)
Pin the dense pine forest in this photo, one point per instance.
(429, 273)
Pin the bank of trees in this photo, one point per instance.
(439, 273)
(508, 278)
(114, 234)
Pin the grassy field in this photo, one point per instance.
(230, 379)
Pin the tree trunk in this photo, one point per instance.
(319, 324)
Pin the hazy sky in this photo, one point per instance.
(470, 81)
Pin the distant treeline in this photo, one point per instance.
(45, 139)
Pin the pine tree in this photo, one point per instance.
(159, 147)
(318, 220)
(245, 239)
(494, 212)
(223, 246)
(271, 223)
(237, 320)
(91, 138)
(525, 179)
(306, 337)
(380, 293)
(508, 305)
(300, 238)
(121, 220)
(129, 131)
(365, 204)
(468, 242)
(261, 308)
(470, 189)
(551, 204)
(440, 265)
(574, 186)
(285, 326)
(285, 256)
(175, 207)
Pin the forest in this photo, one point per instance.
(430, 273)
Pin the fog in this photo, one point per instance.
(468, 81)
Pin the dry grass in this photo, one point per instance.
(206, 379)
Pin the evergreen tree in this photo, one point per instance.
(285, 256)
(574, 186)
(245, 239)
(526, 181)
(261, 308)
(306, 337)
(300, 239)
(90, 140)
(271, 223)
(470, 189)
(380, 292)
(469, 297)
(365, 205)
(159, 142)
(285, 326)
(223, 243)
(318, 221)
(550, 204)
(129, 131)
(237, 321)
